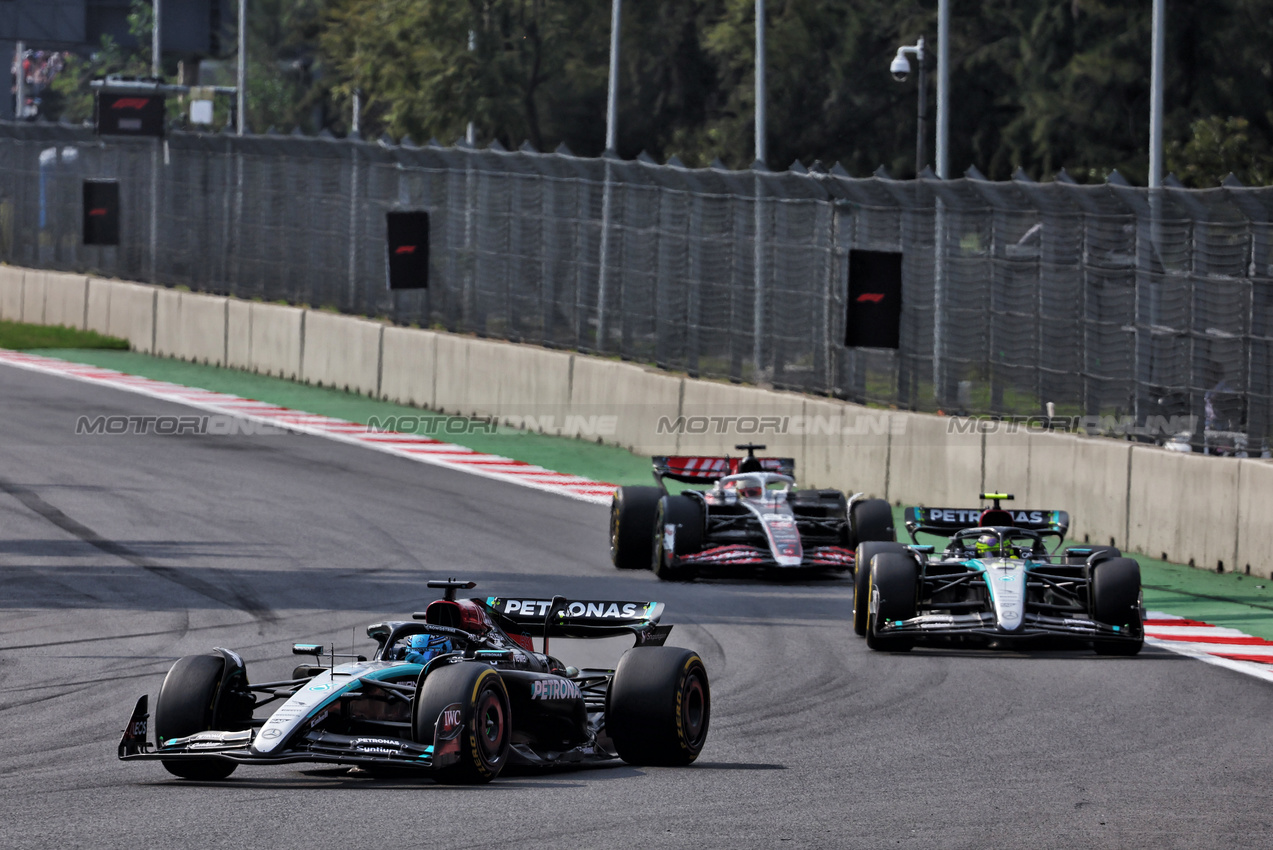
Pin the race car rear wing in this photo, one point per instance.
(694, 469)
(580, 618)
(946, 521)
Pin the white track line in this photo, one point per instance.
(407, 446)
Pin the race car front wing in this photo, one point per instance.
(314, 745)
(739, 554)
(987, 625)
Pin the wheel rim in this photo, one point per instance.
(694, 711)
(489, 722)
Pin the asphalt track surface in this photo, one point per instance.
(120, 554)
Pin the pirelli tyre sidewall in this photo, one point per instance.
(487, 719)
(197, 695)
(893, 589)
(862, 578)
(685, 513)
(632, 526)
(659, 706)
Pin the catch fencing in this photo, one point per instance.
(1151, 310)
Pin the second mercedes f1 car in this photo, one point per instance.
(458, 693)
(997, 582)
(753, 516)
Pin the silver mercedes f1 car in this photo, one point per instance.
(996, 582)
(458, 693)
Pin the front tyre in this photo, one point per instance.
(659, 706)
(681, 518)
(862, 578)
(1115, 599)
(632, 526)
(192, 699)
(487, 722)
(893, 591)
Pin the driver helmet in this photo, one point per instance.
(987, 544)
(751, 488)
(422, 648)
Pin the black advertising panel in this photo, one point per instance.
(875, 300)
(129, 114)
(408, 250)
(101, 212)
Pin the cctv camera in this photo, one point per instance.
(901, 67)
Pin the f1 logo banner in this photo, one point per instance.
(129, 114)
(101, 212)
(875, 300)
(408, 249)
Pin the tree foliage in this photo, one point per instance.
(1035, 84)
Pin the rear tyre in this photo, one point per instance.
(862, 578)
(632, 526)
(487, 722)
(659, 706)
(1115, 590)
(895, 578)
(871, 520)
(686, 514)
(188, 703)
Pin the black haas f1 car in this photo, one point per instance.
(753, 516)
(457, 693)
(996, 582)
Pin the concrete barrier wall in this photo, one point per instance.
(637, 397)
(132, 314)
(1254, 509)
(11, 293)
(168, 324)
(33, 290)
(1183, 507)
(238, 335)
(342, 352)
(277, 340)
(65, 299)
(97, 315)
(1191, 508)
(517, 384)
(933, 464)
(202, 338)
(408, 359)
(854, 456)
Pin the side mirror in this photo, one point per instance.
(314, 649)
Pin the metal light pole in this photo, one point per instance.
(156, 67)
(470, 132)
(760, 81)
(943, 86)
(242, 95)
(21, 90)
(901, 69)
(612, 95)
(1156, 95)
